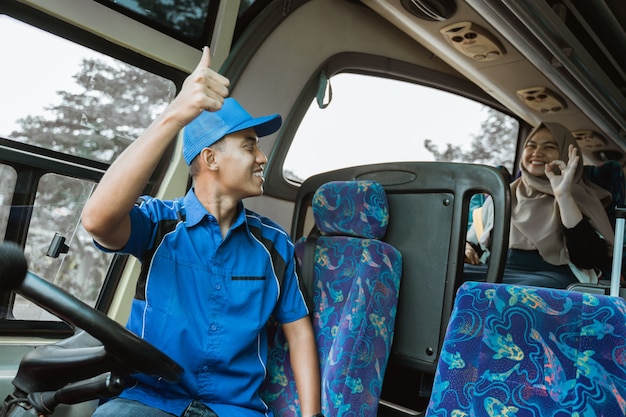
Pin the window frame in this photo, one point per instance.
(365, 64)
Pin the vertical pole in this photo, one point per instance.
(618, 247)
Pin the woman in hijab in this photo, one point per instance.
(560, 233)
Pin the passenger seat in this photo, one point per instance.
(353, 278)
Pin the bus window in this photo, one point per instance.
(68, 112)
(82, 270)
(190, 21)
(375, 120)
(8, 177)
(86, 104)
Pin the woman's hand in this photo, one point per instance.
(561, 183)
(562, 188)
(471, 256)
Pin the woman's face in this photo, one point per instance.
(541, 148)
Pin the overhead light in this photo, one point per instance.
(473, 41)
(542, 100)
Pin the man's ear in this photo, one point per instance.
(207, 156)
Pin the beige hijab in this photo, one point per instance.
(535, 219)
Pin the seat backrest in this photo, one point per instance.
(356, 279)
(428, 213)
(528, 351)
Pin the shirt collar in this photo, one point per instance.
(195, 211)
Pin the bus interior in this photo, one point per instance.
(430, 98)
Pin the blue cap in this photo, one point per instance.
(209, 127)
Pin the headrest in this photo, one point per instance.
(352, 208)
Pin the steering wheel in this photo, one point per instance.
(123, 345)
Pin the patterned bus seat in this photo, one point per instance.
(355, 288)
(520, 351)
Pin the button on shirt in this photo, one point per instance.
(205, 301)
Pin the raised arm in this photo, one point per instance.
(106, 214)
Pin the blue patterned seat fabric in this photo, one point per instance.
(356, 284)
(516, 351)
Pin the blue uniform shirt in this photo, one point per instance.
(205, 301)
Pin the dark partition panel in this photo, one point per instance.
(429, 206)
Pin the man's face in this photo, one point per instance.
(240, 164)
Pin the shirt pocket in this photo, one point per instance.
(253, 296)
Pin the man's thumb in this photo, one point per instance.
(205, 61)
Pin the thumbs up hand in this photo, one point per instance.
(212, 85)
(203, 89)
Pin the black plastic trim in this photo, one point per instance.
(45, 329)
(431, 10)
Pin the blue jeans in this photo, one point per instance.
(121, 407)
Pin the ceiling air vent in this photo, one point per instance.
(433, 10)
(473, 41)
(588, 139)
(542, 100)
